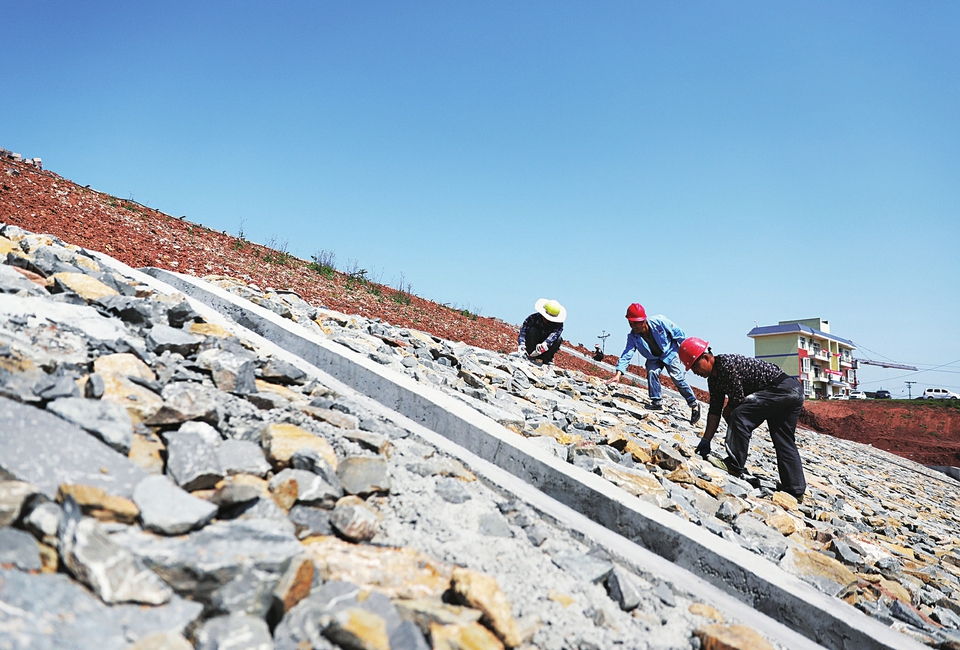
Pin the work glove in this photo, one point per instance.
(522, 350)
(703, 449)
(541, 348)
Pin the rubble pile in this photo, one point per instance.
(877, 531)
(167, 482)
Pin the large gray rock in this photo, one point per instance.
(355, 522)
(363, 476)
(242, 457)
(18, 548)
(312, 489)
(623, 589)
(40, 448)
(163, 338)
(13, 494)
(191, 462)
(12, 281)
(234, 632)
(107, 421)
(765, 540)
(582, 566)
(229, 566)
(165, 508)
(282, 372)
(82, 319)
(232, 371)
(50, 612)
(185, 400)
(114, 573)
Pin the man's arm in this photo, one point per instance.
(623, 362)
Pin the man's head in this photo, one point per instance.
(703, 366)
(695, 355)
(640, 327)
(637, 317)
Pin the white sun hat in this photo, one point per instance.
(552, 310)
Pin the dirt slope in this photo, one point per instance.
(926, 432)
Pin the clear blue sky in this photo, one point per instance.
(722, 163)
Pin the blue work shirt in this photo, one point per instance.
(664, 332)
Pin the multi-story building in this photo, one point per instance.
(807, 350)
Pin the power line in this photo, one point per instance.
(913, 374)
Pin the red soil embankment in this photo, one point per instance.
(921, 431)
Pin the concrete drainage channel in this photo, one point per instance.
(719, 569)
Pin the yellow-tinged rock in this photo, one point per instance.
(49, 560)
(471, 636)
(785, 501)
(358, 628)
(284, 494)
(639, 453)
(681, 475)
(209, 329)
(282, 441)
(123, 364)
(95, 502)
(86, 262)
(783, 523)
(426, 612)
(818, 569)
(87, 287)
(713, 489)
(553, 431)
(635, 482)
(295, 583)
(731, 637)
(277, 389)
(8, 246)
(396, 572)
(895, 589)
(706, 611)
(899, 550)
(559, 597)
(141, 403)
(482, 592)
(145, 454)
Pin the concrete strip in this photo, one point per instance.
(752, 579)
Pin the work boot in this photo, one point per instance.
(798, 497)
(655, 405)
(723, 464)
(695, 413)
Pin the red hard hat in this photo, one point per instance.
(636, 312)
(691, 349)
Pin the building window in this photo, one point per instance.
(806, 364)
(807, 387)
(803, 343)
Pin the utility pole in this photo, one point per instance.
(909, 386)
(603, 340)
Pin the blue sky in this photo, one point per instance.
(724, 164)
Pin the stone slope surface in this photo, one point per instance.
(238, 497)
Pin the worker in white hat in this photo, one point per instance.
(539, 337)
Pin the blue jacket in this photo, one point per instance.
(666, 334)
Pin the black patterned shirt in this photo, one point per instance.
(736, 376)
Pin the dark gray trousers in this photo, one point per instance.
(780, 406)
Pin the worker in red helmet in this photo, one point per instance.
(657, 339)
(754, 391)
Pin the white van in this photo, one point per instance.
(938, 393)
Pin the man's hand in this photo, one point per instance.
(703, 449)
(522, 350)
(541, 348)
(615, 379)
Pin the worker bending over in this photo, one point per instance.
(754, 391)
(657, 339)
(539, 337)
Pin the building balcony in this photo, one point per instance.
(846, 362)
(821, 354)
